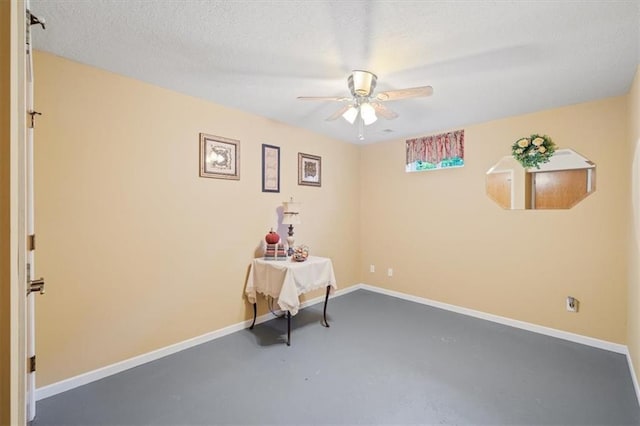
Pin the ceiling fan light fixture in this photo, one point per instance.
(366, 104)
(350, 114)
(368, 113)
(362, 83)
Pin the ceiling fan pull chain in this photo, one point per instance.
(360, 127)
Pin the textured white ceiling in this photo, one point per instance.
(485, 59)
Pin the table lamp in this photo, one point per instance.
(291, 216)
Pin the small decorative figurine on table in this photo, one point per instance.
(272, 237)
(275, 250)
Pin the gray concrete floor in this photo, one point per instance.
(383, 361)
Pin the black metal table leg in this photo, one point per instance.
(255, 310)
(326, 299)
(288, 328)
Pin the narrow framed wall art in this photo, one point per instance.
(270, 168)
(219, 157)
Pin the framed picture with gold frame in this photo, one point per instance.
(309, 169)
(219, 157)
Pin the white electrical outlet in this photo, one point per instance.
(389, 272)
(572, 304)
(372, 268)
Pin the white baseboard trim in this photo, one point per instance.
(572, 337)
(100, 373)
(634, 377)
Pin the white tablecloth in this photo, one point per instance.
(286, 280)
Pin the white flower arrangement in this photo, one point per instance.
(532, 151)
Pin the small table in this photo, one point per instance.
(286, 280)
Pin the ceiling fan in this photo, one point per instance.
(366, 105)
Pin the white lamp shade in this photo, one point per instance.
(368, 114)
(291, 213)
(350, 114)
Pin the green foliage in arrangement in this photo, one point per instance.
(532, 151)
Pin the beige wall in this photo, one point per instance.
(138, 251)
(633, 318)
(5, 226)
(447, 241)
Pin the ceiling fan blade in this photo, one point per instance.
(338, 113)
(412, 92)
(383, 111)
(323, 98)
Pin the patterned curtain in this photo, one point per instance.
(434, 149)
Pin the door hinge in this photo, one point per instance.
(35, 286)
(31, 242)
(32, 364)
